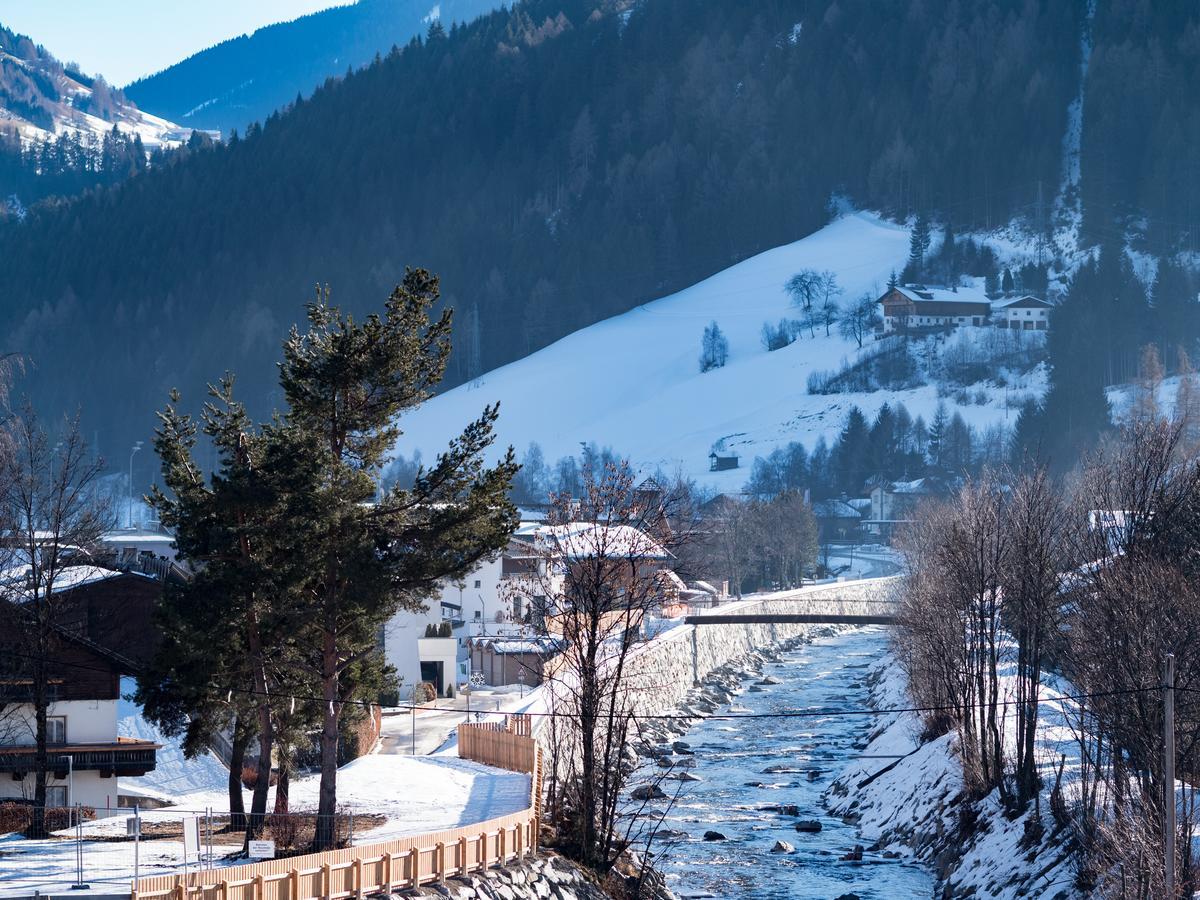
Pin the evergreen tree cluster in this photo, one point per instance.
(564, 161)
(69, 163)
(1096, 339)
(893, 447)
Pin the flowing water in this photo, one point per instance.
(826, 673)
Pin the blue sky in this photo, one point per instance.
(125, 39)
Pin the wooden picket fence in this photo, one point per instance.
(391, 865)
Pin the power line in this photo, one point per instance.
(828, 712)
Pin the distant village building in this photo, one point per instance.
(513, 660)
(916, 307)
(1026, 313)
(837, 520)
(893, 503)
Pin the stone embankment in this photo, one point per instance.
(663, 672)
(546, 876)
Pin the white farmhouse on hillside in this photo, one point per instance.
(1026, 313)
(916, 307)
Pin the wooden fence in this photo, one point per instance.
(391, 865)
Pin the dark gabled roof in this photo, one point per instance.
(835, 509)
(1026, 302)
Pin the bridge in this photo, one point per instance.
(881, 618)
(850, 603)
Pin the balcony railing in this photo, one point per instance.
(123, 758)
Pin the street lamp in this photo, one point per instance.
(136, 447)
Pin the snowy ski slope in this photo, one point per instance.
(632, 382)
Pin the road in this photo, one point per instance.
(434, 725)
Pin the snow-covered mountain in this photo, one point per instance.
(41, 98)
(633, 382)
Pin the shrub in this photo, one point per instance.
(423, 692)
(17, 816)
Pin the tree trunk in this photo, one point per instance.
(262, 783)
(237, 760)
(324, 835)
(41, 759)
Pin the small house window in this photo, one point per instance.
(478, 614)
(56, 729)
(478, 583)
(56, 795)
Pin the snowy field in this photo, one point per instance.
(632, 382)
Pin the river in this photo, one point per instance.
(825, 673)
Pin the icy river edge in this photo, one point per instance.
(877, 787)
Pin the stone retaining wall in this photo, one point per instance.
(665, 670)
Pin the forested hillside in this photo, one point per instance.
(558, 162)
(247, 78)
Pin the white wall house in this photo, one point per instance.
(87, 757)
(1022, 314)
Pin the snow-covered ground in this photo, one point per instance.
(173, 775)
(913, 806)
(414, 795)
(632, 382)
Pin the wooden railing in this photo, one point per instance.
(391, 865)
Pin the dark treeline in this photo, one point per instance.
(1141, 123)
(1099, 331)
(565, 162)
(894, 447)
(68, 165)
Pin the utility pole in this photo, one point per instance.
(1169, 775)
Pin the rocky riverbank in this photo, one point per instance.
(545, 876)
(750, 819)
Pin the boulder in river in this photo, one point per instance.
(854, 855)
(783, 847)
(714, 836)
(688, 776)
(683, 748)
(648, 792)
(808, 826)
(814, 774)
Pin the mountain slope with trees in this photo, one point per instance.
(558, 162)
(245, 79)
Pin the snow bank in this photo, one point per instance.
(915, 806)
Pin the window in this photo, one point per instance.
(56, 729)
(517, 611)
(56, 795)
(478, 614)
(478, 583)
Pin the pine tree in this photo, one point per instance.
(850, 455)
(937, 437)
(346, 384)
(918, 246)
(1006, 282)
(227, 634)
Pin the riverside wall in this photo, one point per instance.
(664, 671)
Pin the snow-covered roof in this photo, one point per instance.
(705, 586)
(862, 504)
(919, 486)
(68, 578)
(1027, 302)
(921, 294)
(672, 579)
(584, 540)
(508, 646)
(834, 509)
